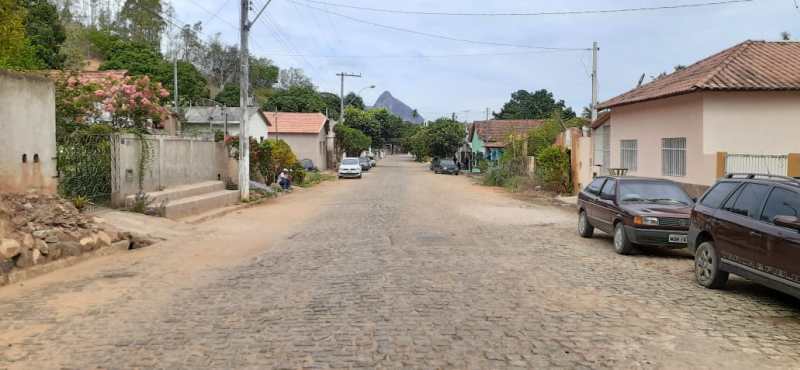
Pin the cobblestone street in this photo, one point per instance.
(402, 269)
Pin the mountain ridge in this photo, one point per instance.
(387, 101)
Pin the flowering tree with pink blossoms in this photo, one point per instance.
(120, 101)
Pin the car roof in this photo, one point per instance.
(636, 178)
(761, 179)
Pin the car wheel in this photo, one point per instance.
(359, 176)
(706, 267)
(621, 243)
(585, 229)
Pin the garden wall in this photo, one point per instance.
(28, 139)
(170, 161)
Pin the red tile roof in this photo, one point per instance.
(751, 65)
(295, 123)
(494, 132)
(602, 118)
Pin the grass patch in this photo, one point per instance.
(314, 178)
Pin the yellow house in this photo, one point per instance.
(737, 110)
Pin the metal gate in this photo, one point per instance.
(84, 165)
(757, 163)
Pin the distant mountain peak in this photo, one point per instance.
(398, 108)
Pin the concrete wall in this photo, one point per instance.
(175, 161)
(649, 122)
(27, 128)
(307, 146)
(751, 122)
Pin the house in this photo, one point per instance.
(744, 101)
(487, 138)
(200, 120)
(306, 134)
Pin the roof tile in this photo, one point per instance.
(295, 123)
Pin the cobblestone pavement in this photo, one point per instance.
(402, 269)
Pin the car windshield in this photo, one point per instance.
(350, 161)
(447, 163)
(363, 160)
(652, 192)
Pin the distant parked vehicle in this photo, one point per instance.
(447, 166)
(434, 164)
(364, 162)
(308, 165)
(350, 167)
(748, 225)
(372, 161)
(635, 211)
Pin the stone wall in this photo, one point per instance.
(28, 139)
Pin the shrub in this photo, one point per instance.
(553, 169)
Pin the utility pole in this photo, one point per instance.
(175, 79)
(342, 75)
(244, 92)
(594, 80)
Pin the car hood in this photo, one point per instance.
(350, 167)
(658, 210)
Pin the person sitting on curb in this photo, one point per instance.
(284, 180)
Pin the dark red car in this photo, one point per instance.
(635, 210)
(748, 225)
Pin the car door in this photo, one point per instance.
(782, 245)
(607, 205)
(589, 198)
(738, 236)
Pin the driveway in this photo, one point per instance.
(402, 269)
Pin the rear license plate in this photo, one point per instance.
(676, 238)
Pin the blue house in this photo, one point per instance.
(487, 138)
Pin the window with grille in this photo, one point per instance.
(602, 148)
(628, 154)
(673, 156)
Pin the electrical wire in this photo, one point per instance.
(427, 56)
(433, 35)
(500, 14)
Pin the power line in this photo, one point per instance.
(433, 35)
(424, 56)
(500, 14)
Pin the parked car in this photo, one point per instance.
(434, 164)
(364, 162)
(635, 210)
(308, 165)
(372, 161)
(748, 225)
(447, 166)
(350, 167)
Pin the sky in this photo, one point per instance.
(440, 77)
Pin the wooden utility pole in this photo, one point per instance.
(595, 90)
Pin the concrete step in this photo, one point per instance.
(178, 192)
(185, 207)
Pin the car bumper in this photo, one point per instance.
(349, 174)
(654, 237)
(448, 171)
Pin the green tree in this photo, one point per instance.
(537, 105)
(137, 57)
(365, 122)
(351, 141)
(16, 51)
(141, 21)
(332, 102)
(229, 95)
(353, 100)
(293, 77)
(45, 32)
(191, 83)
(417, 143)
(445, 136)
(295, 99)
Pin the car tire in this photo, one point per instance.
(706, 267)
(585, 229)
(359, 176)
(622, 245)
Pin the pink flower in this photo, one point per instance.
(163, 93)
(99, 93)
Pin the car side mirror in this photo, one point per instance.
(790, 222)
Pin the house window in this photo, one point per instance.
(628, 154)
(673, 156)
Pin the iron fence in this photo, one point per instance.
(757, 163)
(84, 165)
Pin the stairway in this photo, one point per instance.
(189, 200)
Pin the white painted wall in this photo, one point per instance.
(308, 146)
(751, 122)
(27, 127)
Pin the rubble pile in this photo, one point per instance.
(38, 228)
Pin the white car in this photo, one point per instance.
(350, 167)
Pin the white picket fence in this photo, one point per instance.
(757, 163)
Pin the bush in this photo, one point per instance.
(553, 169)
(313, 178)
